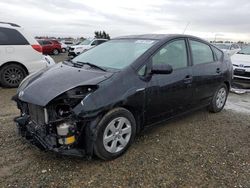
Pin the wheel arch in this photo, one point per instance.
(137, 115)
(17, 63)
(227, 84)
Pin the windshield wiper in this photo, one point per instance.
(90, 64)
(75, 64)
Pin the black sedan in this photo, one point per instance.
(96, 103)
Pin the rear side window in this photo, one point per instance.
(201, 52)
(45, 42)
(11, 37)
(218, 53)
(40, 42)
(100, 41)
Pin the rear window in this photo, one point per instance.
(11, 37)
(55, 41)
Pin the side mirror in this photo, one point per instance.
(162, 69)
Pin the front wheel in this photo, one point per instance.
(115, 133)
(219, 99)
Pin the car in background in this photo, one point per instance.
(84, 46)
(228, 48)
(52, 47)
(68, 43)
(241, 65)
(110, 93)
(20, 55)
(64, 47)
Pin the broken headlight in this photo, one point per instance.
(62, 105)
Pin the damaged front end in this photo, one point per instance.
(56, 127)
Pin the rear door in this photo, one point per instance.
(14, 46)
(207, 71)
(169, 94)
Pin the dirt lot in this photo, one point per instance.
(198, 150)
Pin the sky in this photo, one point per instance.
(208, 19)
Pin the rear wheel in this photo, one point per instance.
(11, 75)
(55, 51)
(219, 99)
(115, 133)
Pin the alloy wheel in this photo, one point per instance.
(117, 135)
(221, 98)
(13, 76)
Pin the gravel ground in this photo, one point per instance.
(198, 150)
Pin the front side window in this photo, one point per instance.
(85, 42)
(94, 43)
(116, 54)
(45, 42)
(174, 54)
(11, 37)
(201, 52)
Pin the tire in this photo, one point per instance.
(112, 139)
(55, 51)
(219, 99)
(11, 75)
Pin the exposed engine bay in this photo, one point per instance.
(55, 127)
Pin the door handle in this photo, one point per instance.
(188, 79)
(218, 70)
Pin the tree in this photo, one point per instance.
(101, 35)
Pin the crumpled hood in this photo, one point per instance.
(43, 86)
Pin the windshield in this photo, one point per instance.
(245, 50)
(116, 54)
(223, 46)
(85, 42)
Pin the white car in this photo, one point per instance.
(64, 46)
(20, 55)
(228, 48)
(241, 64)
(84, 46)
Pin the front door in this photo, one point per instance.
(168, 94)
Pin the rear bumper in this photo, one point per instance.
(36, 136)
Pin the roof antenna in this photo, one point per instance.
(188, 23)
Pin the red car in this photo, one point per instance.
(50, 46)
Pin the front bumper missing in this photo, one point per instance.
(35, 135)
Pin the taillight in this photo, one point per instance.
(37, 47)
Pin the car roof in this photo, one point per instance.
(154, 36)
(8, 25)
